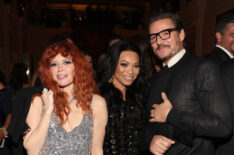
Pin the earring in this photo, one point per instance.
(111, 79)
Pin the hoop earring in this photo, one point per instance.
(111, 79)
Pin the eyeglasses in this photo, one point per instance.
(164, 35)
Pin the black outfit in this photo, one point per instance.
(227, 70)
(18, 120)
(6, 96)
(218, 56)
(125, 122)
(200, 107)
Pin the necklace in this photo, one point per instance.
(72, 100)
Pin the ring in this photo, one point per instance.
(44, 90)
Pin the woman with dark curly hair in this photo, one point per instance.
(70, 117)
(125, 90)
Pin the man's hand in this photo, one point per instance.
(160, 144)
(160, 111)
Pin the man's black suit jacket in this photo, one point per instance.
(218, 56)
(18, 123)
(200, 107)
(227, 70)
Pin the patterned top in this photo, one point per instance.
(60, 142)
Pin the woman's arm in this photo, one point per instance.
(38, 122)
(100, 121)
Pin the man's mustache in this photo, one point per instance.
(162, 45)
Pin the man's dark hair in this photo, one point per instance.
(223, 20)
(167, 15)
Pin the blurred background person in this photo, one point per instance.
(112, 40)
(6, 96)
(224, 32)
(226, 145)
(88, 57)
(35, 81)
(151, 63)
(125, 90)
(19, 77)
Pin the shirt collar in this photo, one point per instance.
(226, 51)
(175, 58)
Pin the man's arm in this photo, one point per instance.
(215, 117)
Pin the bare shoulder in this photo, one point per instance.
(99, 109)
(98, 102)
(36, 105)
(35, 111)
(37, 101)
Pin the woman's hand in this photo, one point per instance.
(48, 100)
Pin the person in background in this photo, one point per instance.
(19, 78)
(88, 57)
(226, 146)
(125, 90)
(224, 33)
(70, 110)
(112, 40)
(6, 96)
(35, 80)
(149, 58)
(222, 52)
(187, 105)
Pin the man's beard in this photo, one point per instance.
(170, 55)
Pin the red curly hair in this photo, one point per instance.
(83, 79)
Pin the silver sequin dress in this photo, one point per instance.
(76, 142)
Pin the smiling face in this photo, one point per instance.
(127, 70)
(166, 49)
(62, 70)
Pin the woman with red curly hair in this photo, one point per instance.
(68, 117)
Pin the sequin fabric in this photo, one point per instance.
(76, 142)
